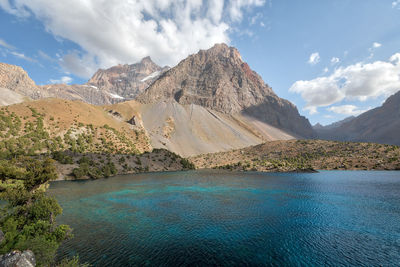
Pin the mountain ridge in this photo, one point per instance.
(211, 101)
(381, 125)
(107, 86)
(219, 79)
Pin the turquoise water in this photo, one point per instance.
(216, 218)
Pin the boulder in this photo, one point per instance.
(1, 236)
(18, 259)
(132, 121)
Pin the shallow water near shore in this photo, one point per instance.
(234, 219)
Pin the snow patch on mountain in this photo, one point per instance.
(151, 76)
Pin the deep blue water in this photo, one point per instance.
(215, 218)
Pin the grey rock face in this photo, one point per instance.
(218, 79)
(127, 81)
(18, 259)
(1, 236)
(16, 79)
(85, 93)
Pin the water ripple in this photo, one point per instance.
(234, 219)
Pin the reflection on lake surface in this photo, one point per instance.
(224, 218)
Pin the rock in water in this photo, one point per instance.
(18, 259)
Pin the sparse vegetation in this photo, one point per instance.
(27, 214)
(304, 155)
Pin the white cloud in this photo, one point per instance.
(326, 70)
(235, 7)
(347, 110)
(396, 4)
(45, 56)
(124, 31)
(22, 56)
(5, 44)
(17, 9)
(314, 58)
(255, 18)
(355, 82)
(376, 45)
(335, 60)
(64, 79)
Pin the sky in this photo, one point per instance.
(331, 58)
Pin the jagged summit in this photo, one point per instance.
(219, 79)
(147, 60)
(223, 50)
(216, 78)
(127, 81)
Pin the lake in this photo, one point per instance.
(220, 218)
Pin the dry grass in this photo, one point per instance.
(297, 155)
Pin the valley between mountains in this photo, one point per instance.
(209, 111)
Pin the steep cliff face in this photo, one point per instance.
(127, 81)
(219, 79)
(86, 93)
(16, 79)
(380, 125)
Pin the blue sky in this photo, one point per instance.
(331, 58)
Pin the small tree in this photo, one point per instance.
(28, 220)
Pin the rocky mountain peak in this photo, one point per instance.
(216, 78)
(147, 60)
(16, 79)
(126, 81)
(222, 50)
(219, 79)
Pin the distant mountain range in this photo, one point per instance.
(113, 85)
(318, 127)
(378, 125)
(211, 101)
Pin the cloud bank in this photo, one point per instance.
(361, 81)
(124, 31)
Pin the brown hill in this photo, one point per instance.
(64, 122)
(379, 125)
(304, 155)
(218, 79)
(85, 140)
